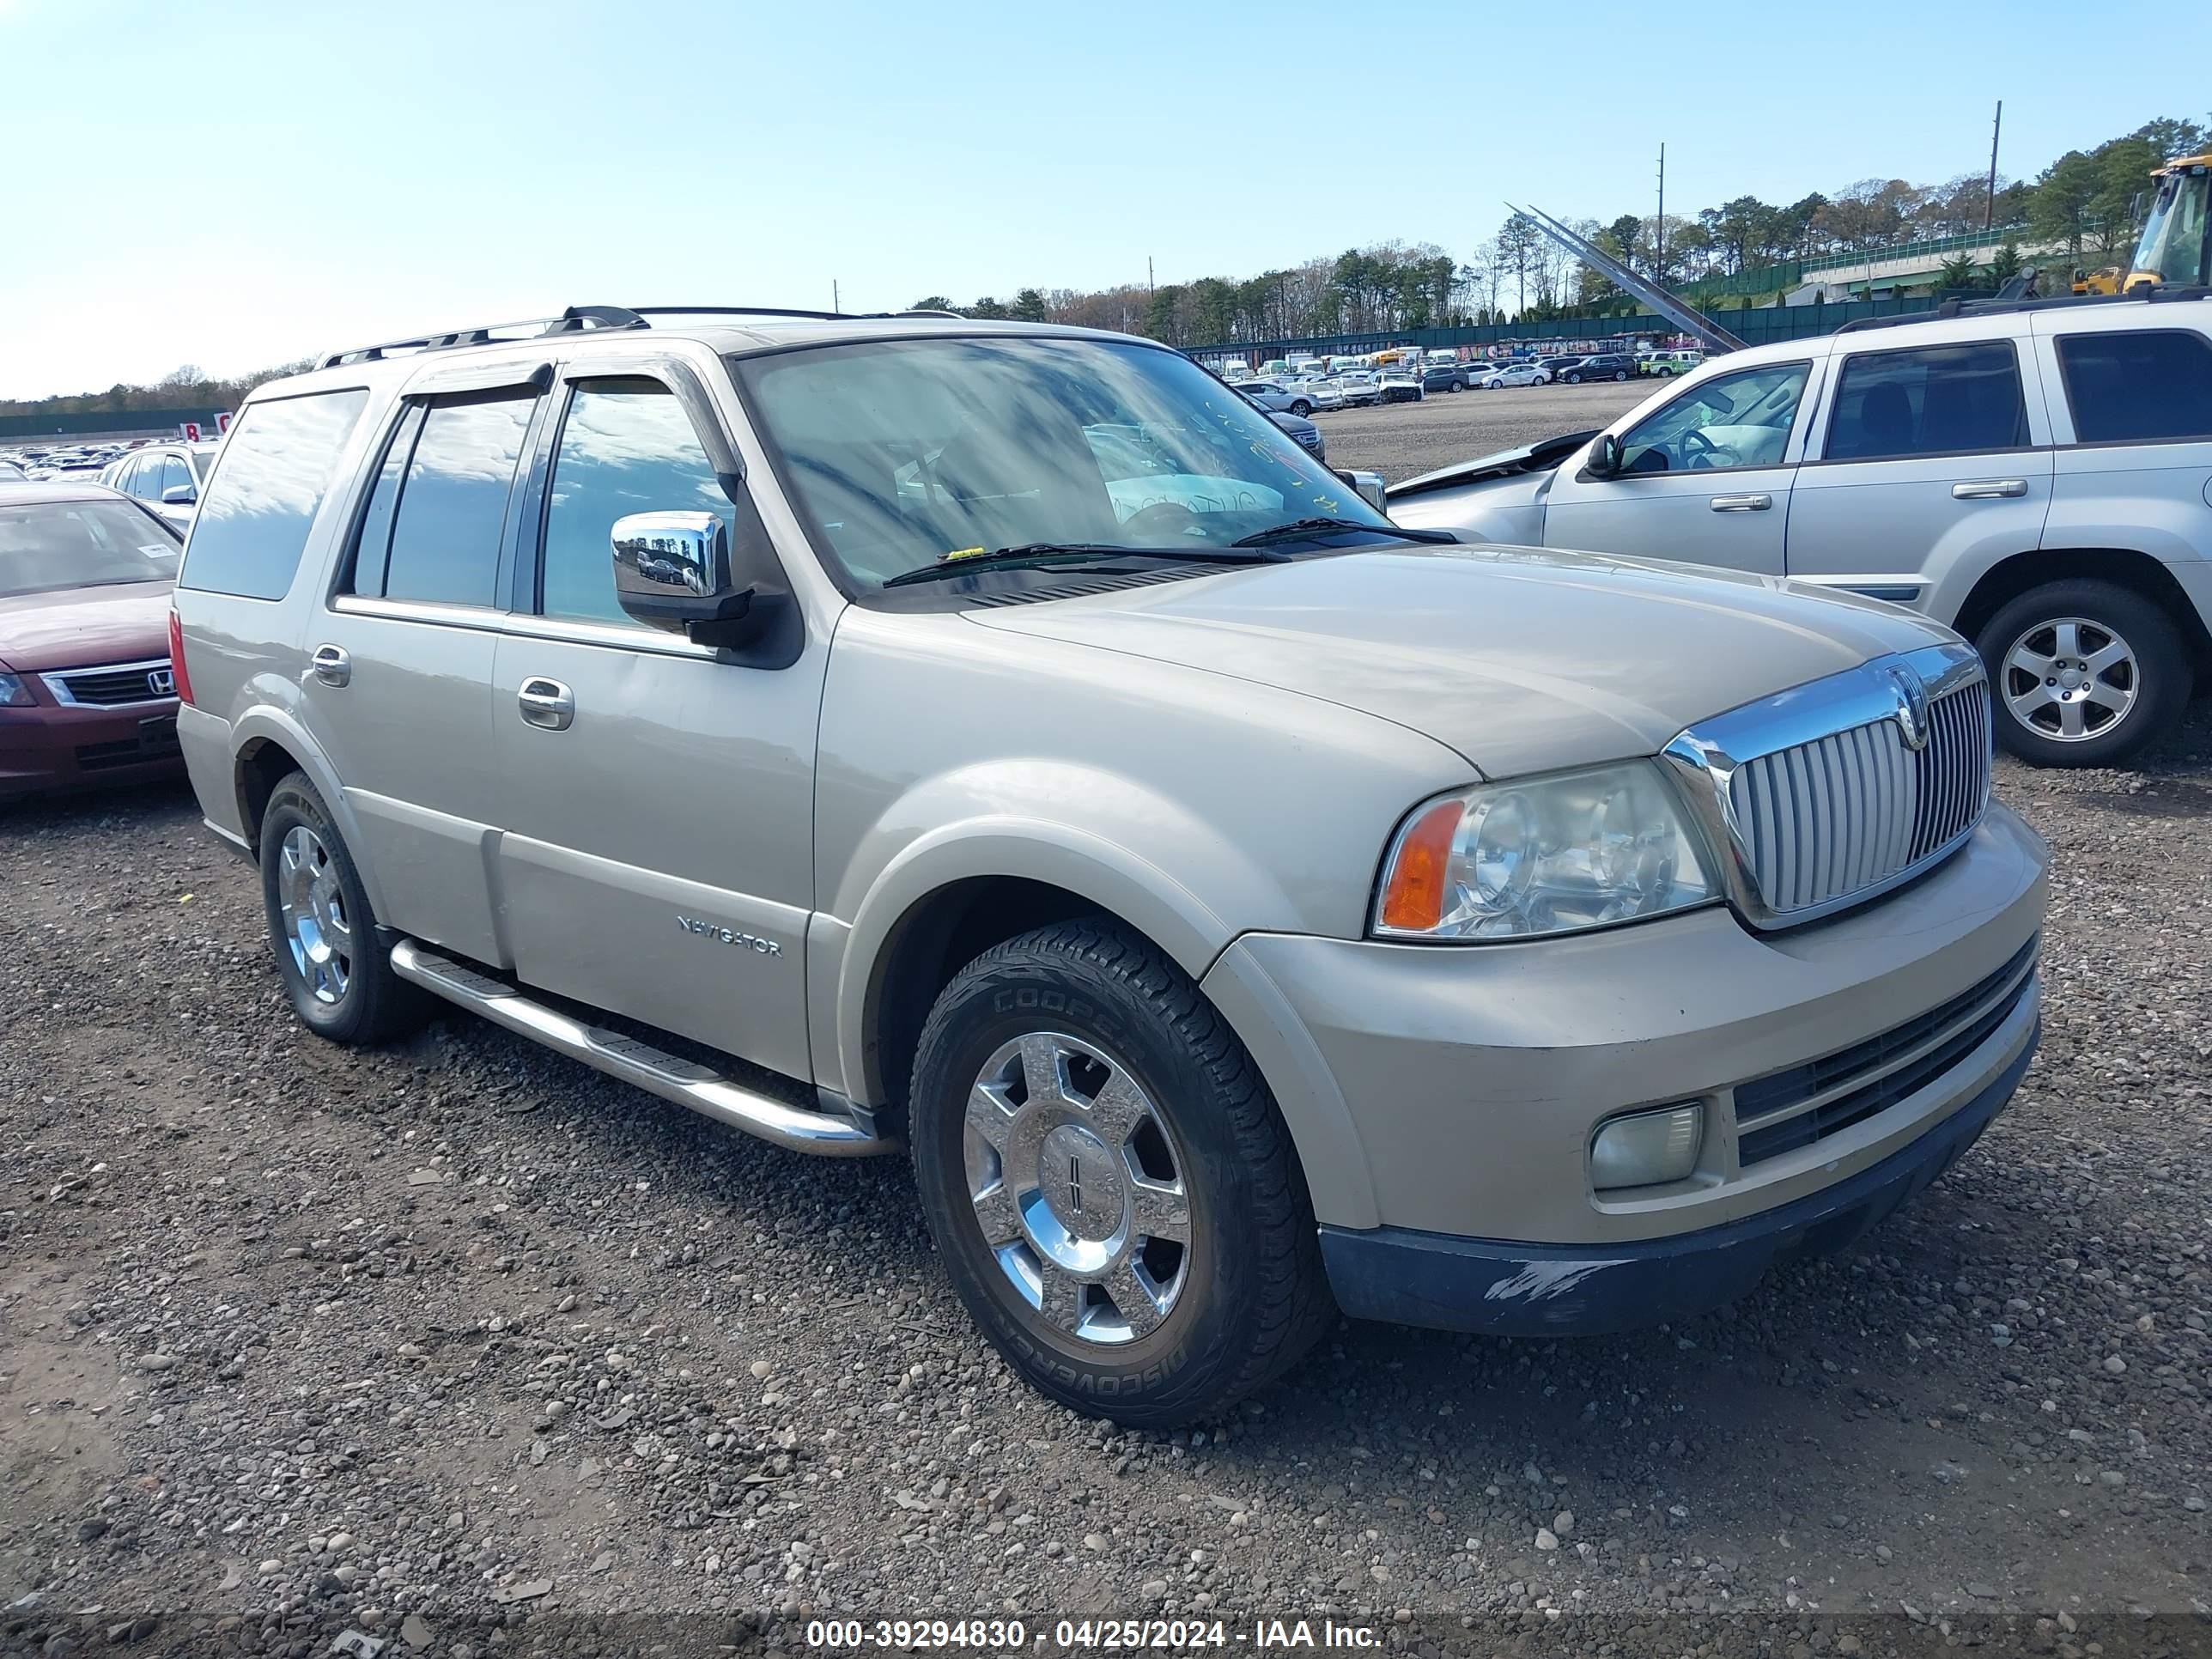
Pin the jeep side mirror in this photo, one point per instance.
(1605, 458)
(676, 571)
(1368, 484)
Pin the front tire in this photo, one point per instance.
(1108, 1182)
(1302, 409)
(2083, 674)
(336, 970)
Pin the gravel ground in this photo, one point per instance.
(464, 1348)
(1400, 439)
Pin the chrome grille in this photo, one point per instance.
(112, 686)
(1818, 795)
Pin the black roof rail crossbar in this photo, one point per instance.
(2163, 293)
(741, 311)
(573, 320)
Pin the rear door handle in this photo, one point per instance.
(1988, 489)
(1741, 503)
(547, 704)
(332, 665)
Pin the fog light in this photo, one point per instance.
(1647, 1148)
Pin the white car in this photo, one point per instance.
(1358, 387)
(1324, 393)
(1511, 374)
(1398, 386)
(1274, 395)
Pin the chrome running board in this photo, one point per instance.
(704, 1090)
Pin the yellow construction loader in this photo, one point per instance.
(2176, 247)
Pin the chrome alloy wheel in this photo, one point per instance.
(2070, 679)
(316, 927)
(1078, 1186)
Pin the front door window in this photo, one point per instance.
(1732, 420)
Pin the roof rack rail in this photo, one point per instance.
(2163, 293)
(740, 311)
(575, 320)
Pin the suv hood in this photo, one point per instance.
(1523, 660)
(77, 627)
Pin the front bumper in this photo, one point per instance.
(48, 747)
(1409, 1277)
(1454, 1090)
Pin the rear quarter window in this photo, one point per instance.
(276, 469)
(2149, 387)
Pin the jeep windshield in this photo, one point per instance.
(903, 455)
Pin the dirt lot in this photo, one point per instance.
(1400, 439)
(463, 1347)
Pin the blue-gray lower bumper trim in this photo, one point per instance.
(1507, 1289)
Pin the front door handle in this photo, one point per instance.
(332, 665)
(1988, 489)
(547, 704)
(1741, 503)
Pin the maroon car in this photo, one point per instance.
(86, 693)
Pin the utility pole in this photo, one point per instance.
(1148, 273)
(1989, 211)
(1659, 225)
(835, 304)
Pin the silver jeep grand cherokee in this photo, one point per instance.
(1003, 742)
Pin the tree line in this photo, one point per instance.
(2085, 202)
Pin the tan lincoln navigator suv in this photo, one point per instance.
(1002, 743)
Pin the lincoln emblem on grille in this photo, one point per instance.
(1911, 706)
(162, 683)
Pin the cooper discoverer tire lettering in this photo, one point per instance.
(1108, 1182)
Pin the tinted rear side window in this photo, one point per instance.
(1938, 400)
(276, 469)
(452, 501)
(2138, 388)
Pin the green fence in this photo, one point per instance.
(1754, 281)
(23, 428)
(1936, 247)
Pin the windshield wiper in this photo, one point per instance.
(1045, 554)
(1301, 527)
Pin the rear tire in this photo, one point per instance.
(1574, 379)
(1620, 373)
(2083, 674)
(336, 970)
(1108, 1182)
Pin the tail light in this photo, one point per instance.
(177, 658)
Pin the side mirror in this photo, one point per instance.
(673, 571)
(1368, 484)
(179, 496)
(1605, 457)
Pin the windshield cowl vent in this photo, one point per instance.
(1079, 585)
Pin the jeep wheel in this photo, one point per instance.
(1108, 1182)
(2083, 674)
(336, 971)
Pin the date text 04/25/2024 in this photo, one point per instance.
(1090, 1635)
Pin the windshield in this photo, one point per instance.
(902, 453)
(2173, 246)
(55, 544)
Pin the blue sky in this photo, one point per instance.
(233, 183)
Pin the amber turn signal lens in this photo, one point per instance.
(1413, 895)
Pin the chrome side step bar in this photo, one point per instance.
(704, 1090)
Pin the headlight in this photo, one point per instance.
(13, 694)
(1514, 860)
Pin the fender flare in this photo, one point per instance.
(274, 726)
